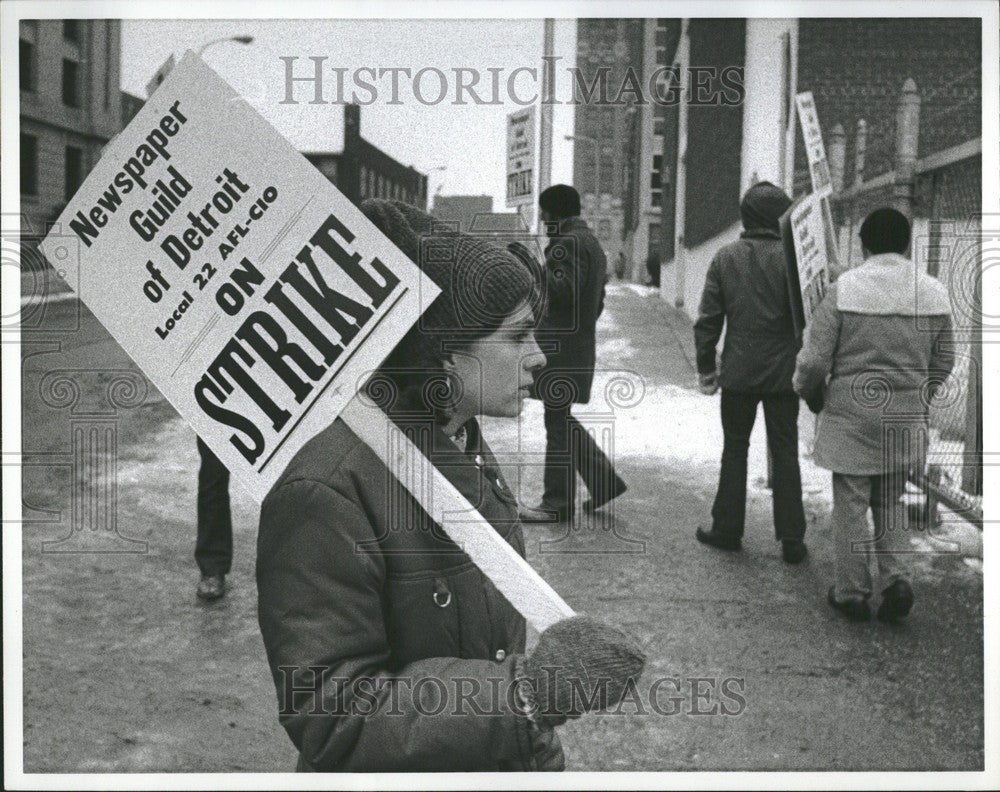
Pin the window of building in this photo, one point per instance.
(655, 184)
(27, 64)
(29, 164)
(364, 181)
(381, 187)
(74, 170)
(71, 29)
(604, 230)
(70, 83)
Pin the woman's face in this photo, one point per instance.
(496, 371)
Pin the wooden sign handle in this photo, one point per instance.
(523, 587)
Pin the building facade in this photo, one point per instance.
(362, 170)
(462, 209)
(856, 70)
(71, 106)
(607, 51)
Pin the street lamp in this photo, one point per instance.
(597, 165)
(441, 185)
(237, 39)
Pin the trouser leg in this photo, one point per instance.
(738, 412)
(891, 536)
(781, 417)
(560, 477)
(593, 465)
(851, 537)
(214, 548)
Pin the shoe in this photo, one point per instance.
(718, 539)
(793, 551)
(854, 610)
(593, 504)
(211, 587)
(543, 514)
(897, 600)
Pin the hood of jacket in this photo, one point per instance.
(889, 284)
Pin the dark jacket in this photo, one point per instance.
(747, 290)
(575, 273)
(355, 581)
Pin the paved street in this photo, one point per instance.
(192, 689)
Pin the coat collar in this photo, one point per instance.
(889, 284)
(569, 224)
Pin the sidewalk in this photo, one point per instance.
(125, 671)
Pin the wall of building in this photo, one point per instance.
(362, 170)
(767, 106)
(56, 125)
(856, 69)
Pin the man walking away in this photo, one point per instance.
(575, 274)
(746, 291)
(882, 335)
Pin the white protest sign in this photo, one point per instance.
(521, 156)
(809, 237)
(255, 296)
(236, 276)
(819, 168)
(160, 75)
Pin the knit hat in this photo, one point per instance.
(763, 205)
(481, 284)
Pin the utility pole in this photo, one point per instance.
(682, 61)
(548, 97)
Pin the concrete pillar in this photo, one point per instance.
(907, 127)
(837, 156)
(860, 143)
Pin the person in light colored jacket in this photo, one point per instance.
(876, 350)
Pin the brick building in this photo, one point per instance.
(71, 106)
(856, 69)
(606, 50)
(362, 170)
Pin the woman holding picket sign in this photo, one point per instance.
(390, 649)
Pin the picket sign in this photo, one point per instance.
(258, 299)
(807, 231)
(523, 587)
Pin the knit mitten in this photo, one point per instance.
(580, 665)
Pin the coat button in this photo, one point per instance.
(500, 655)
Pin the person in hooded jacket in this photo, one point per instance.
(746, 291)
(390, 649)
(877, 349)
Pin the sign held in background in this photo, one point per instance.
(521, 157)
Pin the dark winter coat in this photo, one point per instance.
(746, 290)
(575, 273)
(354, 581)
